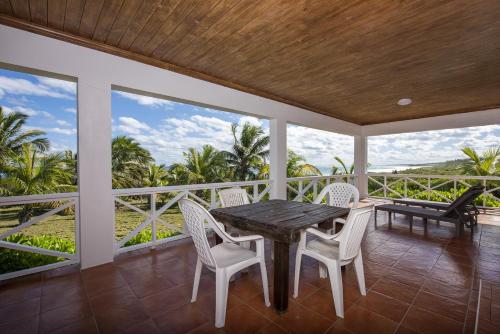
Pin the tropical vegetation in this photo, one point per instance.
(28, 166)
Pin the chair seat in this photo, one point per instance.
(227, 254)
(327, 248)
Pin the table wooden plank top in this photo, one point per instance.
(278, 219)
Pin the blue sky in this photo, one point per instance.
(50, 103)
(168, 128)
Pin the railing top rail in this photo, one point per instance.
(453, 177)
(318, 177)
(156, 190)
(28, 199)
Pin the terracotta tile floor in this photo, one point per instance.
(420, 282)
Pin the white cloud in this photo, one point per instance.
(17, 86)
(63, 123)
(68, 132)
(430, 146)
(250, 119)
(132, 126)
(176, 135)
(48, 115)
(320, 147)
(24, 110)
(70, 110)
(62, 85)
(145, 100)
(21, 101)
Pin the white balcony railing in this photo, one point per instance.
(307, 188)
(205, 194)
(58, 203)
(439, 188)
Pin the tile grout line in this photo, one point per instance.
(418, 292)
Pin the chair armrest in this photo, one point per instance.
(255, 237)
(339, 220)
(321, 234)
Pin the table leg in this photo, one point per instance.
(281, 262)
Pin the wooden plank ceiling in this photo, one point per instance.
(349, 59)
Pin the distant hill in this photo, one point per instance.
(450, 167)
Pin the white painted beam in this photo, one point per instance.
(278, 158)
(464, 120)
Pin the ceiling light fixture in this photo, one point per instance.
(405, 101)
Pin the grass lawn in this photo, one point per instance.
(63, 225)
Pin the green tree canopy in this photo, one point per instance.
(205, 166)
(249, 151)
(487, 163)
(343, 167)
(129, 162)
(13, 135)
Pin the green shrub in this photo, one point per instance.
(146, 236)
(14, 260)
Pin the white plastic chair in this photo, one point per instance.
(340, 195)
(224, 259)
(233, 197)
(335, 251)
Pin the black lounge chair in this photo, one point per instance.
(472, 209)
(460, 212)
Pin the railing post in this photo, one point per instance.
(429, 188)
(385, 186)
(327, 183)
(255, 193)
(153, 223)
(406, 187)
(454, 188)
(484, 193)
(315, 190)
(301, 186)
(213, 198)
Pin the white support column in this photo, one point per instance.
(278, 158)
(361, 164)
(94, 172)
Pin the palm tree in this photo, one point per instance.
(156, 176)
(129, 162)
(296, 166)
(207, 166)
(70, 164)
(249, 151)
(32, 172)
(13, 136)
(487, 163)
(343, 168)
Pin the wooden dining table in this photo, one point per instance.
(280, 221)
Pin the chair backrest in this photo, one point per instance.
(340, 194)
(465, 199)
(352, 233)
(195, 217)
(233, 197)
